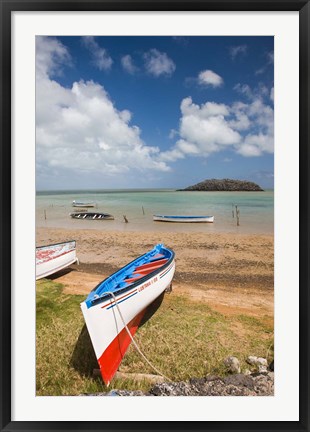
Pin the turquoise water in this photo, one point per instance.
(256, 210)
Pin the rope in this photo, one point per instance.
(134, 342)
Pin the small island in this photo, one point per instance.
(224, 185)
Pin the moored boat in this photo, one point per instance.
(91, 215)
(175, 218)
(54, 257)
(115, 307)
(83, 204)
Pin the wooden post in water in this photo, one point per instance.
(237, 215)
(232, 210)
(125, 219)
(45, 214)
(143, 210)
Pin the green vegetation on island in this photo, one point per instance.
(225, 185)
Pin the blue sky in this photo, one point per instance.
(128, 112)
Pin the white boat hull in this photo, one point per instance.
(105, 325)
(83, 204)
(183, 219)
(53, 258)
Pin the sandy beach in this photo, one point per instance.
(233, 273)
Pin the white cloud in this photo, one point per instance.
(100, 55)
(173, 133)
(128, 64)
(80, 128)
(244, 89)
(246, 128)
(158, 63)
(256, 145)
(272, 94)
(269, 61)
(50, 56)
(210, 78)
(203, 130)
(237, 50)
(270, 57)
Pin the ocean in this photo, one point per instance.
(256, 210)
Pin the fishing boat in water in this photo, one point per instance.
(165, 218)
(83, 204)
(115, 307)
(91, 215)
(54, 257)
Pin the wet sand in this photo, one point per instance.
(232, 273)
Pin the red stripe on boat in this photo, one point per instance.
(114, 353)
(148, 269)
(158, 263)
(44, 256)
(117, 299)
(159, 255)
(138, 276)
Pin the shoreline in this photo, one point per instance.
(232, 273)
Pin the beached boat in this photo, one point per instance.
(83, 204)
(91, 215)
(115, 307)
(165, 218)
(54, 257)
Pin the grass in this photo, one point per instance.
(183, 339)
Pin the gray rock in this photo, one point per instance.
(251, 360)
(233, 385)
(232, 364)
(261, 361)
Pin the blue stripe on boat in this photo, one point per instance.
(167, 271)
(122, 300)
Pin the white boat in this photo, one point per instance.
(114, 309)
(175, 218)
(83, 204)
(54, 257)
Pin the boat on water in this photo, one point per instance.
(54, 257)
(171, 218)
(115, 307)
(91, 215)
(83, 204)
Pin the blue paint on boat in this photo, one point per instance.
(117, 284)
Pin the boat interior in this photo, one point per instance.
(133, 273)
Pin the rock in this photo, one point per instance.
(125, 393)
(271, 366)
(233, 385)
(261, 361)
(240, 380)
(232, 364)
(224, 185)
(263, 385)
(251, 360)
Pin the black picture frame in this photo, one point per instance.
(7, 7)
